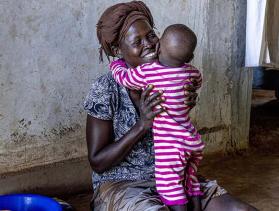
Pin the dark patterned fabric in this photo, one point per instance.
(107, 100)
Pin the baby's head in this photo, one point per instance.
(177, 45)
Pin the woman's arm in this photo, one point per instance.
(103, 153)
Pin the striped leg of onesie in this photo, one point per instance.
(176, 159)
(192, 184)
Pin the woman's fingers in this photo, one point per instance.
(156, 112)
(147, 106)
(146, 98)
(191, 95)
(191, 104)
(191, 99)
(190, 87)
(190, 92)
(145, 94)
(194, 82)
(191, 84)
(151, 98)
(149, 102)
(154, 103)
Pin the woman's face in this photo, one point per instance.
(138, 45)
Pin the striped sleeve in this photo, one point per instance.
(132, 78)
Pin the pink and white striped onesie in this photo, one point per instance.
(177, 145)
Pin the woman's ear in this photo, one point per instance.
(117, 52)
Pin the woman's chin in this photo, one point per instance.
(150, 59)
(140, 61)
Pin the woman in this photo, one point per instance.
(120, 147)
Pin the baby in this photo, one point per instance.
(177, 145)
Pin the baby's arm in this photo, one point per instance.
(132, 78)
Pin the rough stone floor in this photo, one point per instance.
(251, 176)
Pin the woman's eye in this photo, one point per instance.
(137, 42)
(152, 35)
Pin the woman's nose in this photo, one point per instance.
(147, 43)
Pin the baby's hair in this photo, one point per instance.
(181, 40)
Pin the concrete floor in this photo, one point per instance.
(251, 176)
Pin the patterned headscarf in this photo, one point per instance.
(115, 22)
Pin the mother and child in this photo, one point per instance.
(151, 86)
(177, 145)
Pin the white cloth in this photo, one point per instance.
(254, 31)
(262, 33)
(272, 33)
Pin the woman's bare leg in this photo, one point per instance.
(228, 203)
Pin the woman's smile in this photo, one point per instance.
(151, 55)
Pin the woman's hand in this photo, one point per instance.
(146, 104)
(190, 93)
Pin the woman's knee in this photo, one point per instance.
(244, 207)
(228, 202)
(238, 205)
